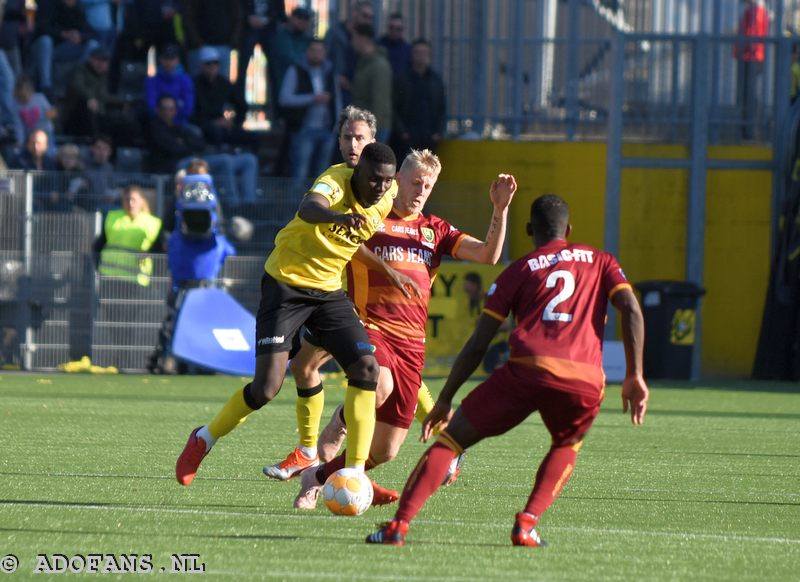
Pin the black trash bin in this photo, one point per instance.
(670, 313)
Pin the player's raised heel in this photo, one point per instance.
(190, 458)
(392, 533)
(309, 490)
(332, 436)
(524, 532)
(294, 464)
(454, 470)
(383, 496)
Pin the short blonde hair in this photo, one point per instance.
(424, 160)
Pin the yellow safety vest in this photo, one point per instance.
(126, 239)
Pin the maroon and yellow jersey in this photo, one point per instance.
(558, 295)
(415, 247)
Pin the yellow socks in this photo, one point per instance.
(309, 411)
(359, 414)
(232, 415)
(424, 402)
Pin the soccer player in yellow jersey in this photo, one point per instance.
(412, 244)
(302, 286)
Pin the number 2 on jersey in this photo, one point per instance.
(550, 313)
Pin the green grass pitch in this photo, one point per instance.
(707, 489)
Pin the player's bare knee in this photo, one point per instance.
(379, 457)
(301, 371)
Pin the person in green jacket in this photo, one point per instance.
(127, 234)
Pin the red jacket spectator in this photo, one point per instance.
(754, 22)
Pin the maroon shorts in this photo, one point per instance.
(512, 393)
(405, 359)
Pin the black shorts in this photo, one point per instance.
(329, 315)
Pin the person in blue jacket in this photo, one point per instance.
(196, 252)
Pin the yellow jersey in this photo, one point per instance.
(315, 255)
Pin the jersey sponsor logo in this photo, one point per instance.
(492, 289)
(566, 256)
(265, 341)
(337, 232)
(398, 254)
(399, 228)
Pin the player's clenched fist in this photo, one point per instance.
(502, 190)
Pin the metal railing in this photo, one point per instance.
(55, 307)
(542, 69)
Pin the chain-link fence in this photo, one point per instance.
(56, 308)
(544, 68)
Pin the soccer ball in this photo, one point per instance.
(347, 492)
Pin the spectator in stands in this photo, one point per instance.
(90, 108)
(32, 111)
(261, 21)
(794, 86)
(419, 104)
(12, 18)
(173, 81)
(169, 141)
(36, 157)
(339, 46)
(11, 33)
(754, 21)
(288, 47)
(212, 23)
(173, 145)
(126, 234)
(148, 23)
(310, 102)
(219, 111)
(73, 187)
(100, 174)
(372, 81)
(100, 17)
(398, 50)
(62, 36)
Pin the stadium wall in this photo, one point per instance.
(653, 234)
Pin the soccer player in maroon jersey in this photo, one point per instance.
(558, 295)
(411, 244)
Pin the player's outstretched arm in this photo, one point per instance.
(488, 251)
(634, 387)
(403, 282)
(316, 209)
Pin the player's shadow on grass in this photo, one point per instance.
(177, 398)
(628, 498)
(122, 476)
(726, 385)
(170, 535)
(719, 414)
